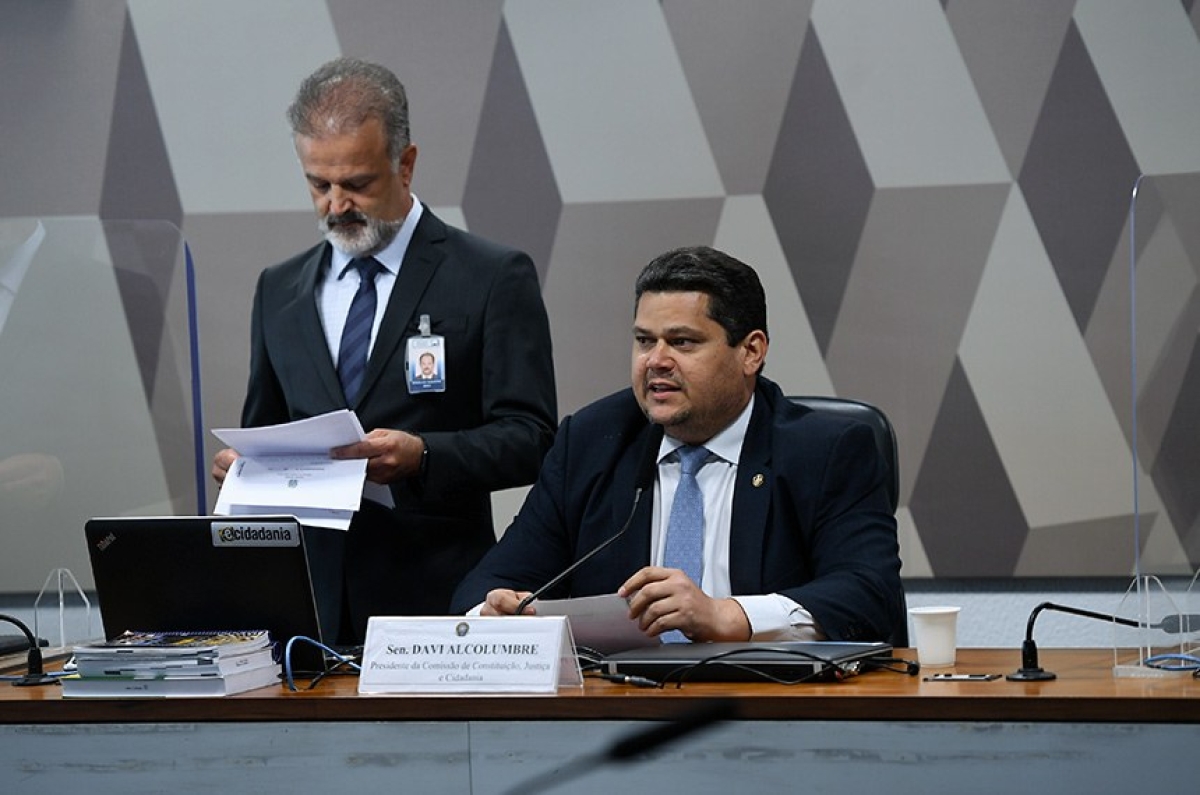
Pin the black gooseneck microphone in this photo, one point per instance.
(701, 717)
(1030, 671)
(643, 481)
(35, 673)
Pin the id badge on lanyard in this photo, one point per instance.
(425, 361)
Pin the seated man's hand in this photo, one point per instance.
(222, 461)
(664, 599)
(390, 454)
(504, 602)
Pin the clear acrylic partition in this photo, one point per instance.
(1164, 425)
(98, 388)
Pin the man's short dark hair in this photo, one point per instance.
(343, 94)
(736, 299)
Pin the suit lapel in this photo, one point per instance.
(635, 547)
(421, 261)
(301, 314)
(751, 502)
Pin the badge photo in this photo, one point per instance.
(426, 364)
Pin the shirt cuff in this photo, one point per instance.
(775, 617)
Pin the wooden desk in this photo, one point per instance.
(1085, 731)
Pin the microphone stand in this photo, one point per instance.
(1030, 671)
(35, 673)
(643, 482)
(528, 600)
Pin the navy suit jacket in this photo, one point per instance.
(811, 516)
(487, 431)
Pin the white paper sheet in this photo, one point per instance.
(313, 435)
(598, 622)
(286, 469)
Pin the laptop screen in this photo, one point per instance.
(199, 573)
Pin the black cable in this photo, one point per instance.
(831, 670)
(896, 665)
(35, 672)
(289, 677)
(589, 659)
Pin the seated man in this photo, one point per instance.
(777, 527)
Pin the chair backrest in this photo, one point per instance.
(885, 436)
(885, 440)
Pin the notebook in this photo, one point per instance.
(792, 661)
(206, 573)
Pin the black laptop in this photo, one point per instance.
(198, 573)
(789, 662)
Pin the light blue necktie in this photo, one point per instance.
(356, 335)
(685, 529)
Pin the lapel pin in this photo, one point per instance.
(757, 480)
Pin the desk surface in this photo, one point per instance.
(1085, 691)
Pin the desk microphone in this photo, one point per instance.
(35, 673)
(1030, 671)
(689, 722)
(647, 469)
(634, 747)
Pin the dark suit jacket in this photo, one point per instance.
(487, 431)
(816, 527)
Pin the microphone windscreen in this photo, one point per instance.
(1176, 623)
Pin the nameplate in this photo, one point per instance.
(457, 654)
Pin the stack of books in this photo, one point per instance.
(173, 664)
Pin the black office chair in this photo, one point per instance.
(885, 440)
(885, 436)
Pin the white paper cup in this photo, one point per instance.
(935, 630)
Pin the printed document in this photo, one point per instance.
(286, 469)
(598, 622)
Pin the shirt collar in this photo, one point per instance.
(727, 444)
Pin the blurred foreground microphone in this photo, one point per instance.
(686, 723)
(636, 745)
(35, 674)
(1030, 671)
(643, 481)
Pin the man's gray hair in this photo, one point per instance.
(343, 94)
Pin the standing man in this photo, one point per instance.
(768, 521)
(338, 325)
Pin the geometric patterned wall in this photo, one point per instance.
(935, 194)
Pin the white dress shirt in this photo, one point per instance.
(336, 290)
(772, 616)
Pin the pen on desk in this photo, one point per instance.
(626, 679)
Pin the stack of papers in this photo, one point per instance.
(173, 664)
(286, 469)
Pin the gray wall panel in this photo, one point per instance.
(859, 154)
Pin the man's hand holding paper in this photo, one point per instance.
(288, 468)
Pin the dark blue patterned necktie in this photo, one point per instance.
(685, 529)
(356, 335)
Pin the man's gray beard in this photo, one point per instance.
(367, 241)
